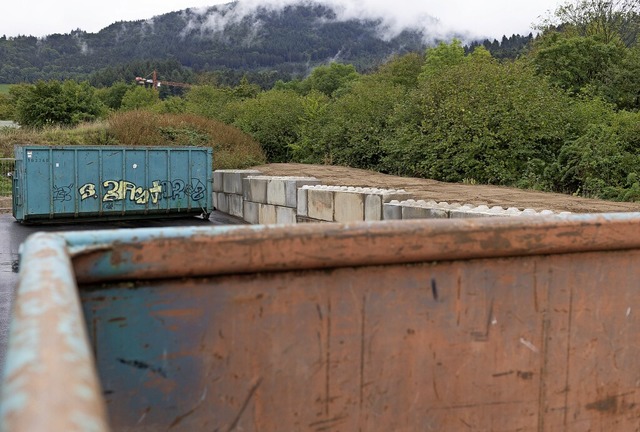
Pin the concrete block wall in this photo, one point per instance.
(228, 191)
(412, 209)
(344, 204)
(273, 200)
(260, 199)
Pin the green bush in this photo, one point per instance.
(139, 97)
(358, 123)
(210, 101)
(476, 118)
(273, 120)
(55, 103)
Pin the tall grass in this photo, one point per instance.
(4, 88)
(232, 148)
(85, 134)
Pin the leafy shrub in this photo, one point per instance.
(481, 119)
(55, 103)
(6, 107)
(273, 120)
(139, 98)
(210, 101)
(358, 123)
(599, 164)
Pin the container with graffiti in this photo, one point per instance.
(109, 182)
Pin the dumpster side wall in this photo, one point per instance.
(523, 343)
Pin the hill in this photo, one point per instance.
(289, 41)
(266, 44)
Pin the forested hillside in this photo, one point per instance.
(290, 42)
(267, 46)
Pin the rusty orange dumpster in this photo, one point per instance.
(443, 325)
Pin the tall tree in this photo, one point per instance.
(610, 20)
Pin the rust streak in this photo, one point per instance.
(459, 292)
(434, 290)
(144, 366)
(327, 421)
(465, 423)
(252, 392)
(543, 370)
(568, 357)
(362, 347)
(607, 405)
(328, 360)
(181, 417)
(479, 405)
(525, 375)
(535, 286)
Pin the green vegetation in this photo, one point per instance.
(232, 147)
(4, 89)
(564, 116)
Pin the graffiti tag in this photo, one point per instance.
(196, 190)
(62, 193)
(88, 191)
(121, 190)
(178, 189)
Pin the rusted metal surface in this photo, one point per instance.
(112, 255)
(49, 381)
(487, 325)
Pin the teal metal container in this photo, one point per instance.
(110, 182)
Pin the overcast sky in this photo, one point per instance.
(490, 18)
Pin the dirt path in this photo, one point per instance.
(450, 192)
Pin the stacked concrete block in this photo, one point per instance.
(392, 210)
(228, 190)
(262, 199)
(251, 212)
(273, 200)
(469, 211)
(412, 209)
(344, 204)
(320, 203)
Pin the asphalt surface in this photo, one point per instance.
(12, 234)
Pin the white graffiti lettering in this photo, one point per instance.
(88, 191)
(121, 190)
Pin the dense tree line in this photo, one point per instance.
(562, 116)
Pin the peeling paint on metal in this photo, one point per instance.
(48, 344)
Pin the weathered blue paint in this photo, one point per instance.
(47, 319)
(109, 182)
